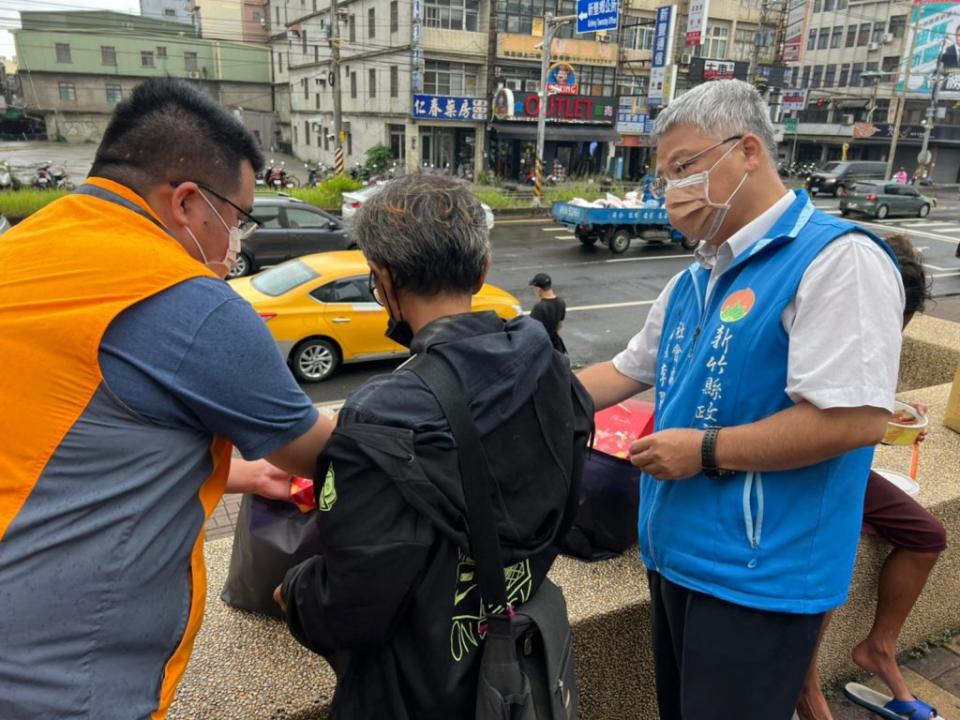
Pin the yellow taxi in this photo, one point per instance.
(320, 311)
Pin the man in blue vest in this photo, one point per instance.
(774, 359)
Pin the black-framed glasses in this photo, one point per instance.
(660, 182)
(247, 223)
(374, 289)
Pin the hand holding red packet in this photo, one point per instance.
(301, 493)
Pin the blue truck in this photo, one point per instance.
(617, 227)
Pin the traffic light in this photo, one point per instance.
(821, 103)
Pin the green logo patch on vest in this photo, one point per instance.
(737, 306)
(328, 495)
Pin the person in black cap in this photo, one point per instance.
(550, 310)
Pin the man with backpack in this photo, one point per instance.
(470, 451)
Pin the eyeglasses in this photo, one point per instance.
(247, 223)
(659, 185)
(374, 289)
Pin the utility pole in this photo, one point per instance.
(902, 101)
(338, 163)
(924, 158)
(550, 25)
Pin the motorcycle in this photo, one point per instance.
(278, 178)
(6, 177)
(316, 174)
(50, 177)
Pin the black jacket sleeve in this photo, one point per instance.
(375, 548)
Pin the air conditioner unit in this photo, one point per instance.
(193, 74)
(685, 58)
(887, 38)
(848, 119)
(872, 47)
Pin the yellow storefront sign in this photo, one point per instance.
(563, 50)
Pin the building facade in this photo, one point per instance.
(421, 77)
(76, 66)
(181, 11)
(854, 59)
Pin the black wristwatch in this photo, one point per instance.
(708, 455)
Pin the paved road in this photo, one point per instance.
(608, 296)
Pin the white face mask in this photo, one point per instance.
(225, 265)
(689, 206)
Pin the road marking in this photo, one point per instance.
(521, 221)
(937, 267)
(653, 257)
(545, 266)
(933, 223)
(955, 273)
(609, 306)
(554, 229)
(564, 237)
(920, 233)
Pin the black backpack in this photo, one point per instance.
(526, 672)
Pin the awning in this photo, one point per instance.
(576, 133)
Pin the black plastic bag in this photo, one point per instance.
(606, 521)
(271, 537)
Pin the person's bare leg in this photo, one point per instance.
(902, 579)
(812, 704)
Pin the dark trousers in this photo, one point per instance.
(719, 661)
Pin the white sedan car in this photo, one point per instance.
(353, 201)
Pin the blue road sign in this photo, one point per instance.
(596, 15)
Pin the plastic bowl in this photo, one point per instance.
(901, 434)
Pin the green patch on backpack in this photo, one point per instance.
(328, 496)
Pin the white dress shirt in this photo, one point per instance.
(844, 323)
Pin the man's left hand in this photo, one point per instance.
(669, 454)
(278, 598)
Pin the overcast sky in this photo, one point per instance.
(10, 18)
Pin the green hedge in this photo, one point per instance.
(18, 204)
(328, 194)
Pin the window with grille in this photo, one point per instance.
(454, 14)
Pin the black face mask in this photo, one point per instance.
(400, 332)
(397, 330)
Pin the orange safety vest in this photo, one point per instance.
(67, 272)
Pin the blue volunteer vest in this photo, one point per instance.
(777, 541)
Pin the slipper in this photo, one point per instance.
(887, 707)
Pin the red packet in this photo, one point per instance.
(301, 493)
(619, 426)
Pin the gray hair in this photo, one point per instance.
(722, 108)
(429, 231)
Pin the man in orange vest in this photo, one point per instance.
(128, 371)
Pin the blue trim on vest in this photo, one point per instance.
(778, 541)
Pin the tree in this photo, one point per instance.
(379, 158)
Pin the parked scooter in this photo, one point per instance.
(51, 177)
(6, 177)
(316, 174)
(278, 178)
